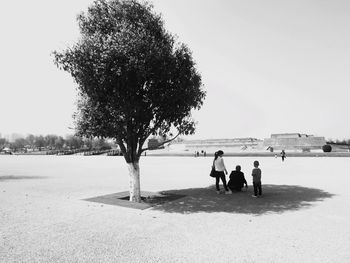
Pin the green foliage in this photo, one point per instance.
(327, 148)
(50, 140)
(100, 144)
(40, 142)
(54, 142)
(59, 143)
(339, 142)
(3, 142)
(74, 142)
(19, 143)
(30, 140)
(134, 80)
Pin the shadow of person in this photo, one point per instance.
(275, 199)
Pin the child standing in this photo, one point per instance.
(256, 173)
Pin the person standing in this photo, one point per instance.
(221, 171)
(283, 155)
(256, 174)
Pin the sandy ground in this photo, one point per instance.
(303, 216)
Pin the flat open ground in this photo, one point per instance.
(303, 216)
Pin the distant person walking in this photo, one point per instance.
(237, 180)
(220, 170)
(256, 174)
(283, 155)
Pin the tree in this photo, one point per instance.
(50, 140)
(134, 79)
(327, 148)
(31, 140)
(39, 142)
(18, 144)
(88, 143)
(100, 144)
(74, 142)
(3, 143)
(59, 142)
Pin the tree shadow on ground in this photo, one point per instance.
(275, 199)
(18, 177)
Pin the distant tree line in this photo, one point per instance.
(54, 142)
(338, 142)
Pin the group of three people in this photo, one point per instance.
(237, 179)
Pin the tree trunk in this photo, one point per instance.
(135, 191)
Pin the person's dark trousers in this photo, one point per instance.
(257, 188)
(221, 175)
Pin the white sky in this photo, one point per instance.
(267, 66)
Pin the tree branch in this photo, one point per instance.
(162, 143)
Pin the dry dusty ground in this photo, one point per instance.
(304, 215)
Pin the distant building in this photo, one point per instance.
(227, 145)
(6, 150)
(294, 141)
(290, 135)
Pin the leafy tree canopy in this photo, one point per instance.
(133, 78)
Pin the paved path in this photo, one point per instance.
(303, 216)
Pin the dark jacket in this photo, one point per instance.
(237, 180)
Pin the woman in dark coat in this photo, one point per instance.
(283, 155)
(237, 180)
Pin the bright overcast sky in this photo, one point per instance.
(267, 66)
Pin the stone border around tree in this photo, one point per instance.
(148, 199)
